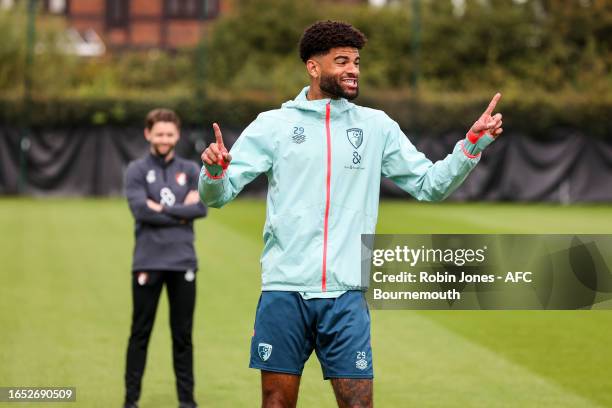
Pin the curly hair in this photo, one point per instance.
(322, 36)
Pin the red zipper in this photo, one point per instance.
(327, 196)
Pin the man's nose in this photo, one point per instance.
(353, 69)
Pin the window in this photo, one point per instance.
(117, 13)
(55, 6)
(193, 9)
(48, 6)
(211, 8)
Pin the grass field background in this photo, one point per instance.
(65, 307)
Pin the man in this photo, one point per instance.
(161, 189)
(324, 157)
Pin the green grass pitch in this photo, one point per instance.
(65, 305)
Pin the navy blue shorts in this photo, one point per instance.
(288, 328)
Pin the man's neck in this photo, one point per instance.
(166, 158)
(314, 93)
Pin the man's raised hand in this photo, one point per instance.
(488, 123)
(216, 153)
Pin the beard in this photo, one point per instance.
(333, 87)
(162, 154)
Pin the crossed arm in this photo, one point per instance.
(190, 209)
(148, 211)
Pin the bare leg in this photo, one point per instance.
(279, 390)
(353, 392)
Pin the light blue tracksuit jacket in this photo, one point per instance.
(324, 160)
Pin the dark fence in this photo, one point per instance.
(563, 166)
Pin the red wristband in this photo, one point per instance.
(473, 137)
(224, 165)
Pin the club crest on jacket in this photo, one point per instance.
(355, 137)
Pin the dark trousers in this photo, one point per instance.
(146, 288)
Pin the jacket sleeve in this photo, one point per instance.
(136, 193)
(190, 211)
(417, 175)
(252, 154)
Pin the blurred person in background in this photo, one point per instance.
(161, 189)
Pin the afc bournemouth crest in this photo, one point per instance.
(151, 176)
(264, 350)
(181, 179)
(355, 136)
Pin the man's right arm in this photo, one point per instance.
(136, 193)
(251, 155)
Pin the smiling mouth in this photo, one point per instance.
(351, 82)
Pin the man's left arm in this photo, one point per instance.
(427, 181)
(192, 208)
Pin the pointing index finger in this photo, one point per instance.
(492, 104)
(218, 136)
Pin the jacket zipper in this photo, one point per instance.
(327, 198)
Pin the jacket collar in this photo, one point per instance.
(160, 161)
(318, 105)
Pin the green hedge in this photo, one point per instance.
(127, 111)
(534, 113)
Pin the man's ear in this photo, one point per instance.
(147, 134)
(314, 68)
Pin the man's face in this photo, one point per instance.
(339, 75)
(163, 137)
